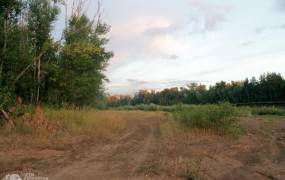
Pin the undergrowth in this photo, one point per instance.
(59, 127)
(221, 117)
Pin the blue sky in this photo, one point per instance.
(166, 43)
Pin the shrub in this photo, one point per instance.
(268, 111)
(6, 98)
(152, 107)
(221, 117)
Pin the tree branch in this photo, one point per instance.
(26, 69)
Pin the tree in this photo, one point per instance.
(269, 87)
(42, 13)
(9, 10)
(83, 58)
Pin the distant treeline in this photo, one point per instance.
(269, 87)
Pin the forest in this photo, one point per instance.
(270, 87)
(37, 68)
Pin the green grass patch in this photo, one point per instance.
(267, 111)
(146, 107)
(221, 117)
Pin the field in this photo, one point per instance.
(231, 143)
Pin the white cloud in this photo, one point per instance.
(207, 16)
(133, 36)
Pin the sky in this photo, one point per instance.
(170, 43)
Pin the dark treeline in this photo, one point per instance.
(269, 87)
(37, 68)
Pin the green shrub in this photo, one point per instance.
(152, 107)
(6, 98)
(221, 117)
(268, 111)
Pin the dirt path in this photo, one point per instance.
(120, 159)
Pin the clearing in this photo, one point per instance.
(149, 148)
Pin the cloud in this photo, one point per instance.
(282, 26)
(260, 29)
(132, 86)
(206, 16)
(281, 5)
(148, 37)
(157, 31)
(263, 29)
(163, 45)
(246, 43)
(170, 56)
(136, 82)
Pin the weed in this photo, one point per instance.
(268, 111)
(221, 117)
(192, 170)
(67, 125)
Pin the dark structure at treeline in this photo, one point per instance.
(37, 68)
(269, 87)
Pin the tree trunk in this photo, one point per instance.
(3, 57)
(38, 81)
(4, 114)
(33, 91)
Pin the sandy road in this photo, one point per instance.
(120, 159)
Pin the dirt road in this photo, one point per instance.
(141, 151)
(120, 159)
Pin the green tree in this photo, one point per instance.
(41, 15)
(83, 59)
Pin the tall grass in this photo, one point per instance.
(63, 127)
(221, 117)
(153, 107)
(242, 111)
(268, 111)
(146, 107)
(86, 121)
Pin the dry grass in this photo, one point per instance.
(60, 128)
(169, 128)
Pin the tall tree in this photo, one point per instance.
(83, 59)
(41, 15)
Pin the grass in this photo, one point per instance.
(220, 117)
(64, 126)
(193, 170)
(146, 107)
(224, 117)
(268, 111)
(169, 128)
(89, 122)
(60, 128)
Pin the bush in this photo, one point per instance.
(221, 117)
(268, 111)
(6, 98)
(152, 107)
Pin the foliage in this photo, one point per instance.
(83, 58)
(36, 68)
(268, 111)
(6, 98)
(221, 117)
(147, 107)
(269, 87)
